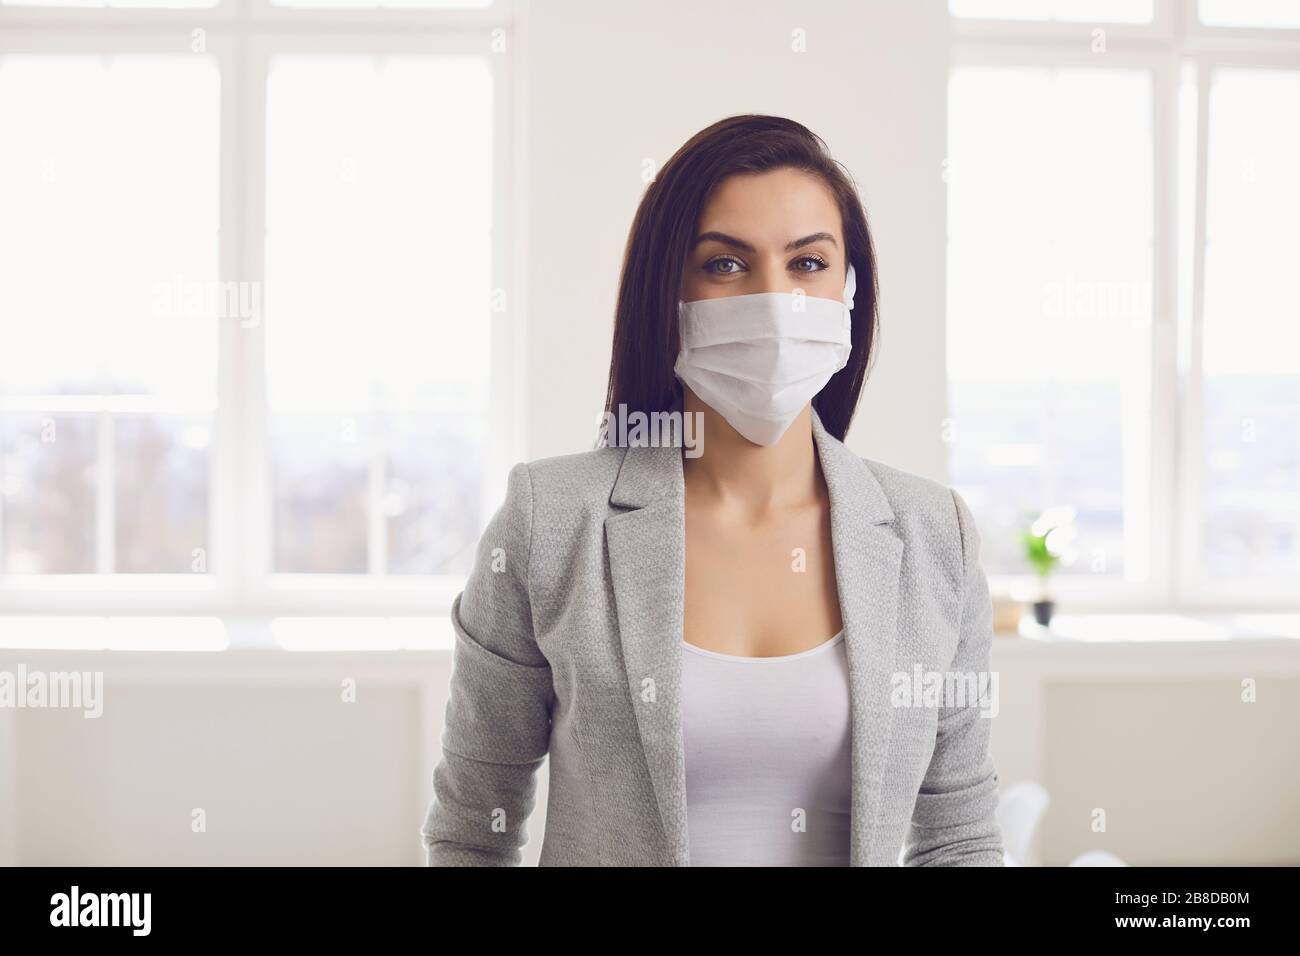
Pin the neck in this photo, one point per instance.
(757, 479)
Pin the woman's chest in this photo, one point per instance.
(759, 591)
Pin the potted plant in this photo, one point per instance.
(1046, 543)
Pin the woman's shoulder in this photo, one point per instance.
(934, 509)
(575, 478)
(911, 492)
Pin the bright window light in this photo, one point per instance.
(108, 369)
(1250, 496)
(1050, 226)
(379, 254)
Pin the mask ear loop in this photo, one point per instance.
(850, 287)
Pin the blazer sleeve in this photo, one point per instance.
(496, 731)
(954, 822)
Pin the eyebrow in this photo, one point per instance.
(735, 243)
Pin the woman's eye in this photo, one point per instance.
(723, 266)
(809, 264)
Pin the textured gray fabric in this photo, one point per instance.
(568, 644)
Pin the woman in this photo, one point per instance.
(716, 642)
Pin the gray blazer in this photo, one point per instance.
(568, 645)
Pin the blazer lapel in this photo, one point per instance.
(647, 548)
(648, 570)
(868, 559)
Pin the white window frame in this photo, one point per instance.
(1172, 43)
(242, 36)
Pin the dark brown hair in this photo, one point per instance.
(645, 323)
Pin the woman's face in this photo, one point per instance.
(767, 232)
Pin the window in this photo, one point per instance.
(107, 378)
(379, 376)
(1249, 503)
(255, 351)
(1122, 342)
(1050, 302)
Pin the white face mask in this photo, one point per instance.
(758, 359)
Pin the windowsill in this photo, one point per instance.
(210, 634)
(1154, 629)
(420, 636)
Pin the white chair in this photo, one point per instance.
(1097, 858)
(1021, 808)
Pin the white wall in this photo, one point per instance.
(613, 84)
(279, 760)
(1149, 750)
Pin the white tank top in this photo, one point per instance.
(767, 757)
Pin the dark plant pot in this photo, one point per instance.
(1043, 612)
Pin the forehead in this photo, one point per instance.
(774, 206)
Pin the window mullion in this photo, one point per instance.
(377, 441)
(105, 491)
(223, 511)
(1162, 492)
(255, 536)
(1191, 395)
